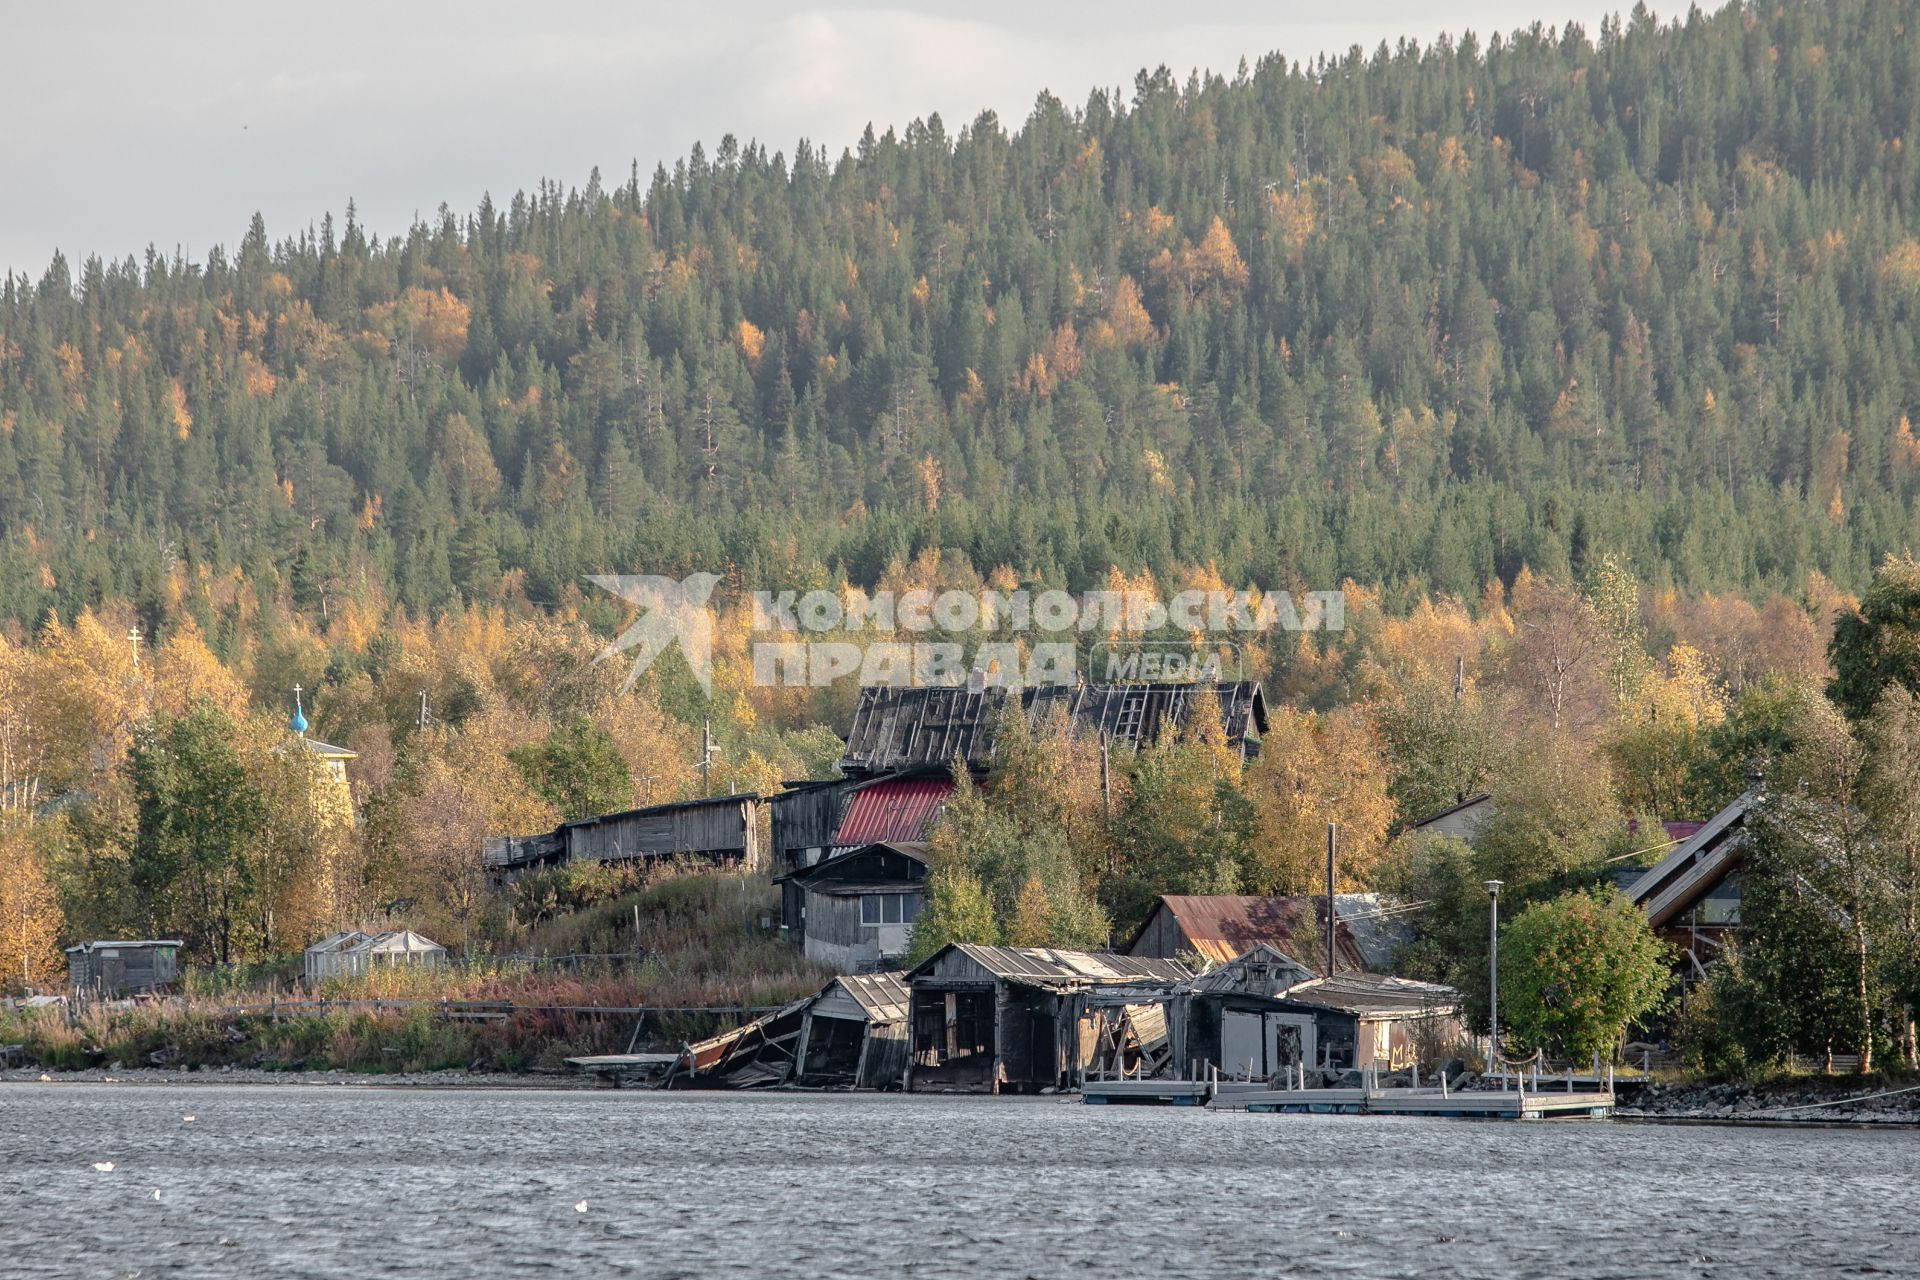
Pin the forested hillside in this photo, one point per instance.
(1417, 317)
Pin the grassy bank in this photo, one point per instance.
(687, 940)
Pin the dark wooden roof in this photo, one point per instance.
(902, 730)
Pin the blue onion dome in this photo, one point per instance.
(299, 722)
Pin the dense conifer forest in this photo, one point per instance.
(1418, 316)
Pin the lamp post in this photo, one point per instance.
(1493, 972)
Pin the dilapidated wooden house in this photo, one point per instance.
(851, 1034)
(803, 820)
(1021, 1019)
(925, 730)
(719, 829)
(855, 911)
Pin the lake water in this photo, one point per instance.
(357, 1182)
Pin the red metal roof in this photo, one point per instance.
(898, 809)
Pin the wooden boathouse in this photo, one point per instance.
(1020, 1019)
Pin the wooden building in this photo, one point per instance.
(720, 829)
(1219, 927)
(1020, 1019)
(1460, 820)
(1396, 1021)
(803, 819)
(926, 729)
(1263, 1011)
(851, 1034)
(854, 1034)
(1692, 896)
(122, 968)
(854, 911)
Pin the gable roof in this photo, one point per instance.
(1224, 926)
(924, 729)
(1263, 970)
(883, 996)
(1377, 995)
(891, 809)
(1698, 866)
(1058, 970)
(914, 851)
(1460, 809)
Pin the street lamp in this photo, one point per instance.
(1493, 971)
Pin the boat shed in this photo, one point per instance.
(121, 968)
(855, 911)
(854, 1034)
(1396, 1021)
(1021, 1019)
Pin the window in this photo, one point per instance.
(889, 908)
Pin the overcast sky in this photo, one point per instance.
(135, 123)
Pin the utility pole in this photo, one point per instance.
(1333, 922)
(1493, 974)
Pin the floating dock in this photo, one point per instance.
(1514, 1102)
(1468, 1104)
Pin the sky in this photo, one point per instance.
(136, 124)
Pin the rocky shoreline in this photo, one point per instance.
(1811, 1102)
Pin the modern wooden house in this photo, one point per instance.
(1692, 896)
(123, 968)
(855, 910)
(1020, 1019)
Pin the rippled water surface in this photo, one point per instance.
(316, 1181)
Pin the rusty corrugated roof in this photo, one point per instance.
(1223, 926)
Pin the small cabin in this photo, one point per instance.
(122, 968)
(855, 911)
